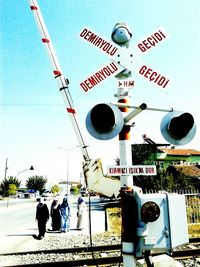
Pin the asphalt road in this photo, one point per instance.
(18, 225)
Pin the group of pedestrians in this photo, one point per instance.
(60, 216)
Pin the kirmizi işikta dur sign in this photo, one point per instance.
(131, 170)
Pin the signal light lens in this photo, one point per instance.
(150, 212)
(102, 118)
(104, 121)
(180, 126)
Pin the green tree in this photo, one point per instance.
(55, 189)
(74, 190)
(181, 181)
(166, 179)
(7, 182)
(12, 189)
(37, 183)
(142, 154)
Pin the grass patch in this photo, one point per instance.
(194, 230)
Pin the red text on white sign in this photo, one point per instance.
(132, 170)
(99, 76)
(99, 42)
(151, 41)
(154, 76)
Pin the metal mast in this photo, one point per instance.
(58, 75)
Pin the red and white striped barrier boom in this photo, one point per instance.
(92, 169)
(58, 75)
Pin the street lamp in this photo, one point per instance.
(68, 154)
(30, 169)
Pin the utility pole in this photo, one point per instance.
(6, 168)
(68, 160)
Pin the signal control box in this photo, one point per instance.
(162, 222)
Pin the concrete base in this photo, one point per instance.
(160, 261)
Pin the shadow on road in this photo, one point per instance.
(20, 235)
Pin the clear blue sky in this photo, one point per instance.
(32, 114)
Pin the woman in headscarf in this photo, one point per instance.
(42, 216)
(81, 207)
(55, 215)
(65, 215)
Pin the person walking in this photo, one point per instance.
(55, 215)
(42, 216)
(81, 207)
(65, 215)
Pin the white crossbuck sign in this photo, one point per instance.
(124, 61)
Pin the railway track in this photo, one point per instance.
(106, 255)
(188, 251)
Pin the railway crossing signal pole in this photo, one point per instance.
(146, 223)
(122, 36)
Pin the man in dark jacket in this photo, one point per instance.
(42, 216)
